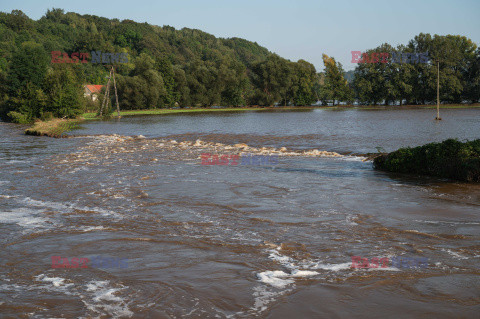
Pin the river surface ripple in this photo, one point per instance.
(237, 241)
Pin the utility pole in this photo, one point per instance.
(116, 95)
(438, 118)
(106, 98)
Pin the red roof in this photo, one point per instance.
(94, 88)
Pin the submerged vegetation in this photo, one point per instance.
(52, 128)
(449, 159)
(91, 116)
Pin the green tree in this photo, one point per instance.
(303, 83)
(29, 64)
(63, 92)
(271, 80)
(335, 85)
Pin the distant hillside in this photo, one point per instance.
(166, 67)
(73, 32)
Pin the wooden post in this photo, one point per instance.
(438, 91)
(116, 95)
(108, 98)
(106, 94)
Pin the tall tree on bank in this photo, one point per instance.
(63, 92)
(270, 79)
(415, 82)
(472, 89)
(304, 79)
(335, 85)
(381, 79)
(24, 81)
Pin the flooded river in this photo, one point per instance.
(179, 239)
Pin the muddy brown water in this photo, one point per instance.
(236, 241)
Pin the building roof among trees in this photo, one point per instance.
(93, 88)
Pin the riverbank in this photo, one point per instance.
(92, 116)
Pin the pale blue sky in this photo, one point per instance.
(301, 29)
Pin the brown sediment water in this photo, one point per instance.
(268, 241)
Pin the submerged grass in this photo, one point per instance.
(449, 159)
(92, 116)
(53, 128)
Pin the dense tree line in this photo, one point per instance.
(188, 67)
(166, 67)
(412, 83)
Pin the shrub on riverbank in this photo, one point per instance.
(19, 118)
(448, 159)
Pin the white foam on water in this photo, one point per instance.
(76, 169)
(106, 301)
(45, 204)
(11, 287)
(303, 273)
(55, 281)
(51, 284)
(7, 196)
(275, 278)
(91, 228)
(239, 148)
(333, 267)
(352, 158)
(98, 296)
(25, 218)
(263, 296)
(32, 217)
(282, 259)
(279, 278)
(454, 254)
(350, 220)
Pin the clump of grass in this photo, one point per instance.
(53, 128)
(449, 159)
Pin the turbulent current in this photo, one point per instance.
(267, 240)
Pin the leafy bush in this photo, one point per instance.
(16, 117)
(449, 159)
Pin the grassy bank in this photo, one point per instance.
(52, 128)
(91, 116)
(449, 159)
(88, 116)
